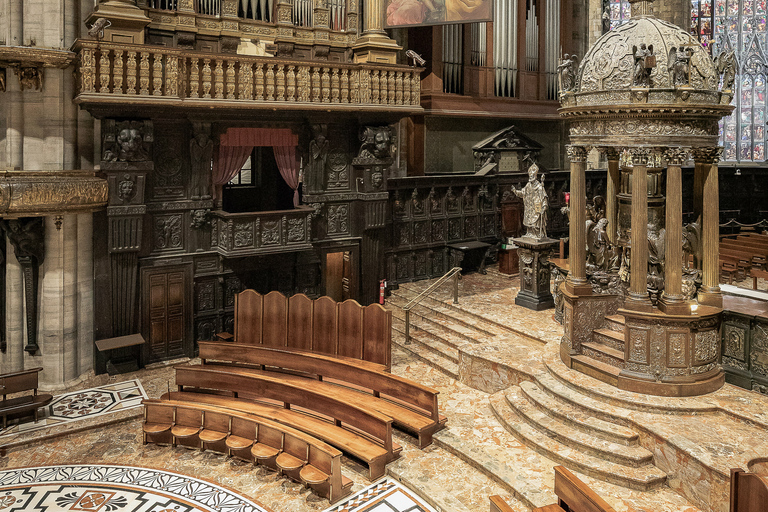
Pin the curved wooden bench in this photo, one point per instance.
(288, 450)
(367, 450)
(18, 382)
(367, 421)
(412, 406)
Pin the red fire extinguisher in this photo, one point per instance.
(382, 288)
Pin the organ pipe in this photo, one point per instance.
(478, 31)
(531, 39)
(505, 47)
(453, 61)
(552, 49)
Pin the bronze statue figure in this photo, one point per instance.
(536, 205)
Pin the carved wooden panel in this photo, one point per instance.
(168, 233)
(638, 348)
(677, 348)
(324, 326)
(300, 322)
(205, 295)
(248, 322)
(377, 334)
(275, 320)
(350, 319)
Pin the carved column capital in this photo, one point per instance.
(707, 155)
(640, 156)
(576, 153)
(676, 156)
(611, 153)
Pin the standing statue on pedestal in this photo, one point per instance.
(536, 205)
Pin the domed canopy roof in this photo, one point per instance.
(673, 101)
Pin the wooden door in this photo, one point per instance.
(166, 322)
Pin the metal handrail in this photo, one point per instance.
(455, 272)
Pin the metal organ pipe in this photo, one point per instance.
(453, 36)
(531, 38)
(552, 49)
(478, 43)
(505, 47)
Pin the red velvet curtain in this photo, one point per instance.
(289, 168)
(236, 145)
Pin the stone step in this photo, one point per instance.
(443, 329)
(615, 322)
(577, 417)
(428, 340)
(643, 478)
(613, 339)
(448, 483)
(470, 318)
(604, 354)
(633, 456)
(596, 369)
(421, 352)
(516, 479)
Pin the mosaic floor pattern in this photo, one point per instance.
(82, 404)
(386, 495)
(93, 488)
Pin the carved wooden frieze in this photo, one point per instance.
(168, 233)
(338, 219)
(28, 193)
(245, 234)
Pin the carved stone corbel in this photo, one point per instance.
(30, 77)
(27, 236)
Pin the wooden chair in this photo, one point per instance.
(241, 436)
(158, 422)
(215, 428)
(187, 424)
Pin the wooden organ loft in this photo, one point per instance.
(507, 68)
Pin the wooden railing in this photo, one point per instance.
(108, 72)
(257, 233)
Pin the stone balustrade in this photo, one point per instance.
(141, 74)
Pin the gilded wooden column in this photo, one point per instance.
(709, 293)
(613, 185)
(374, 45)
(638, 280)
(577, 274)
(672, 300)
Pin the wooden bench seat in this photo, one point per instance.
(757, 274)
(403, 417)
(276, 445)
(20, 382)
(370, 452)
(412, 406)
(367, 421)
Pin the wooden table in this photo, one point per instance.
(475, 249)
(123, 353)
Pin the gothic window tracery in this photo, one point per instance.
(738, 25)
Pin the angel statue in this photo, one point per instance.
(645, 61)
(725, 62)
(566, 73)
(678, 65)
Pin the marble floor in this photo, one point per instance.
(695, 441)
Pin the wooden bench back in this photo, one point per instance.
(376, 425)
(16, 382)
(321, 325)
(749, 491)
(576, 494)
(416, 395)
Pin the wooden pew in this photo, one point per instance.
(402, 393)
(572, 496)
(293, 453)
(749, 491)
(21, 382)
(744, 257)
(751, 255)
(729, 265)
(756, 273)
(373, 454)
(377, 426)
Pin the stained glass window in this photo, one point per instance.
(619, 11)
(739, 26)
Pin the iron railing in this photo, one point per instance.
(454, 273)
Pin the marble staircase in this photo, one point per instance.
(438, 330)
(603, 357)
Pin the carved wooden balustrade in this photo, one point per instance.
(258, 233)
(152, 75)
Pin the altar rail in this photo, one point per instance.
(142, 74)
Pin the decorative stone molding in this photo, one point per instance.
(40, 193)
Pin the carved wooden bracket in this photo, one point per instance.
(27, 236)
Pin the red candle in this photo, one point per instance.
(567, 198)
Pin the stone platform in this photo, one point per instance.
(514, 412)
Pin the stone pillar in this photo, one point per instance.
(613, 186)
(85, 278)
(13, 358)
(672, 300)
(16, 24)
(374, 45)
(709, 293)
(699, 172)
(577, 275)
(638, 280)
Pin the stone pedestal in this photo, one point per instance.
(534, 272)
